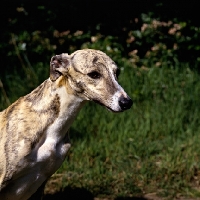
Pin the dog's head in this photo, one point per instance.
(91, 75)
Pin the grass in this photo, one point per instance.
(153, 147)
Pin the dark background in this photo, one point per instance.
(112, 17)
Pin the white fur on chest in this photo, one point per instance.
(54, 147)
(56, 142)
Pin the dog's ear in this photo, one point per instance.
(59, 66)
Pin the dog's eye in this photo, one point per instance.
(94, 75)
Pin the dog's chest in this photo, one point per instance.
(53, 152)
(53, 147)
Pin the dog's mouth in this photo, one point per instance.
(123, 105)
(110, 109)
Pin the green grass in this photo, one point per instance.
(153, 147)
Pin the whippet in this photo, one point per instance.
(33, 130)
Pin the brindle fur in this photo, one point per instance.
(33, 130)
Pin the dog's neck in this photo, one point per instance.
(59, 103)
(70, 105)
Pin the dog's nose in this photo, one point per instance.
(125, 103)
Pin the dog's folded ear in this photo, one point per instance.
(59, 66)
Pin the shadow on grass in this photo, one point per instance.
(70, 194)
(130, 198)
(81, 193)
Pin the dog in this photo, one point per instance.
(33, 130)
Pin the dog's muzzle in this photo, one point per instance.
(125, 103)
